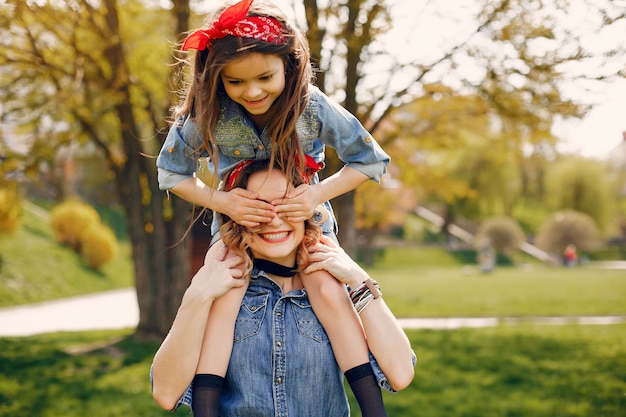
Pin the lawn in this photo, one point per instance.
(417, 281)
(34, 268)
(512, 370)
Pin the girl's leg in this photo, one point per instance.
(215, 353)
(333, 307)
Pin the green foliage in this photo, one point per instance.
(583, 185)
(10, 208)
(503, 233)
(521, 371)
(98, 245)
(415, 286)
(78, 225)
(69, 221)
(515, 370)
(568, 227)
(57, 272)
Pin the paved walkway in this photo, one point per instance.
(118, 309)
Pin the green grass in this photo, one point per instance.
(416, 281)
(33, 267)
(537, 291)
(513, 370)
(429, 282)
(521, 370)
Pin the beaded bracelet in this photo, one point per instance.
(362, 295)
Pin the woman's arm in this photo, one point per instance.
(175, 362)
(385, 337)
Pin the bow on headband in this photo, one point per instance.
(310, 168)
(234, 21)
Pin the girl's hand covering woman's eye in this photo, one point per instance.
(329, 256)
(299, 204)
(245, 209)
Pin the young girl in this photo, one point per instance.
(250, 97)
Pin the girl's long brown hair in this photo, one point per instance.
(202, 98)
(237, 237)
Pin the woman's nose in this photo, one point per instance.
(276, 221)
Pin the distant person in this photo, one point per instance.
(282, 362)
(570, 255)
(486, 256)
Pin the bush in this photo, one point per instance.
(504, 234)
(70, 219)
(568, 227)
(78, 225)
(10, 208)
(98, 245)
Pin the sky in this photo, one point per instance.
(601, 130)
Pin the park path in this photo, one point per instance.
(118, 309)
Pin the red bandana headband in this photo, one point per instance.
(235, 22)
(310, 168)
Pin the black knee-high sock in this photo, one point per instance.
(207, 389)
(366, 390)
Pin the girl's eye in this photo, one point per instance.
(234, 82)
(266, 78)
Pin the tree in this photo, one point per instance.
(583, 185)
(509, 59)
(503, 232)
(568, 227)
(80, 71)
(392, 204)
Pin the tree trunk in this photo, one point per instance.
(160, 258)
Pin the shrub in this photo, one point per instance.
(98, 245)
(568, 227)
(504, 234)
(70, 219)
(10, 208)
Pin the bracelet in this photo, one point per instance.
(362, 295)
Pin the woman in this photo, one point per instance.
(282, 362)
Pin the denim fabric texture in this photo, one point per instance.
(324, 123)
(282, 363)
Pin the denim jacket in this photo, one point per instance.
(323, 123)
(282, 363)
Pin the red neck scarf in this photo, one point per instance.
(235, 22)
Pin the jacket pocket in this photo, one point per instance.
(306, 321)
(250, 316)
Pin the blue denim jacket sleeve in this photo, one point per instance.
(179, 156)
(380, 376)
(343, 132)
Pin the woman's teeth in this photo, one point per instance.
(275, 236)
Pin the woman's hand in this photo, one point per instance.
(244, 207)
(299, 204)
(328, 255)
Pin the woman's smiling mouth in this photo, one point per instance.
(274, 236)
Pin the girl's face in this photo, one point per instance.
(255, 81)
(278, 240)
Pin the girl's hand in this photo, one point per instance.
(328, 255)
(298, 204)
(222, 270)
(245, 209)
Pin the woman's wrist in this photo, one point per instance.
(363, 294)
